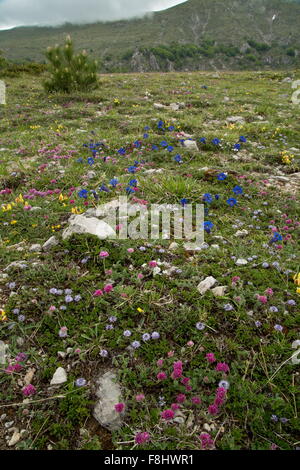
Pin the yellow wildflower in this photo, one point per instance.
(3, 316)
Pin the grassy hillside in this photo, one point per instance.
(237, 341)
(221, 31)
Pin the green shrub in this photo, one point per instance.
(291, 52)
(70, 72)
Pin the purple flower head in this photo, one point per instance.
(155, 335)
(81, 382)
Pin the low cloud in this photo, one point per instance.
(56, 12)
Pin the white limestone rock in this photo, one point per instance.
(109, 394)
(206, 284)
(59, 377)
(82, 224)
(51, 243)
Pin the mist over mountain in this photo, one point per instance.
(195, 35)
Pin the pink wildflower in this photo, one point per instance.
(213, 410)
(180, 398)
(206, 440)
(222, 367)
(210, 357)
(108, 288)
(140, 397)
(98, 293)
(269, 291)
(167, 414)
(161, 376)
(28, 390)
(196, 400)
(119, 407)
(221, 392)
(160, 362)
(142, 437)
(13, 368)
(262, 298)
(152, 264)
(175, 406)
(103, 254)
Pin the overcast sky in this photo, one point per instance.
(55, 12)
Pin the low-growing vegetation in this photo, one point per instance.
(199, 371)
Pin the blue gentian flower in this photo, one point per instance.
(154, 147)
(90, 161)
(129, 190)
(238, 190)
(171, 128)
(113, 182)
(170, 148)
(146, 128)
(184, 201)
(122, 151)
(178, 158)
(276, 237)
(243, 139)
(160, 124)
(216, 141)
(221, 176)
(164, 144)
(131, 169)
(83, 193)
(133, 183)
(237, 147)
(95, 194)
(207, 198)
(203, 140)
(217, 197)
(208, 226)
(103, 188)
(137, 144)
(231, 201)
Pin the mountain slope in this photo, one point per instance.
(221, 30)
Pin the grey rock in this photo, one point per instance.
(236, 119)
(241, 233)
(206, 284)
(109, 394)
(59, 377)
(16, 264)
(91, 175)
(174, 106)
(82, 224)
(35, 248)
(241, 262)
(3, 348)
(219, 291)
(51, 243)
(15, 439)
(190, 145)
(159, 106)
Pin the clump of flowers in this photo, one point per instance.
(287, 157)
(28, 390)
(206, 441)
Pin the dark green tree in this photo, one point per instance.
(69, 71)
